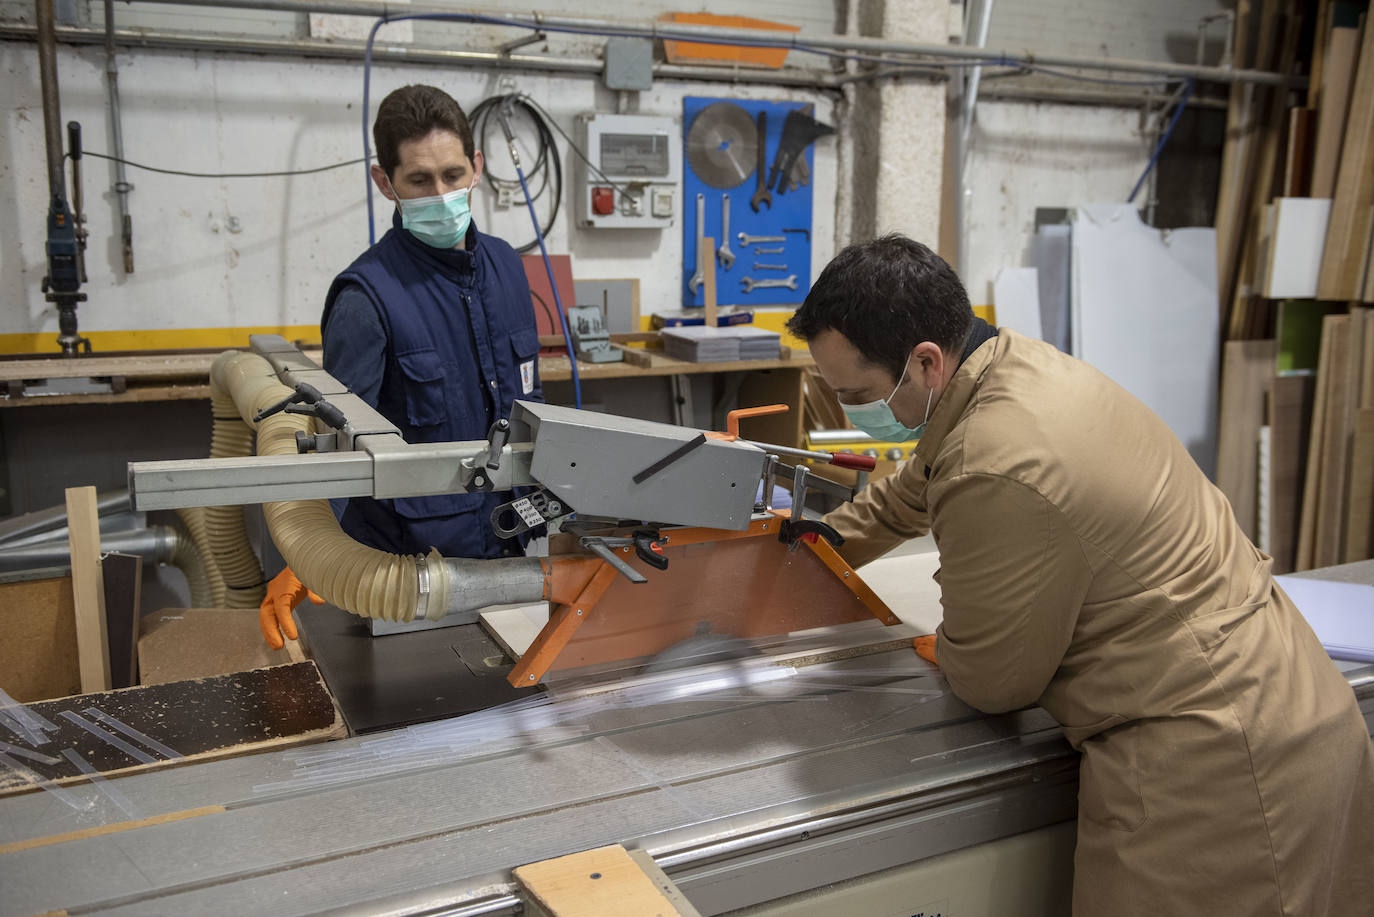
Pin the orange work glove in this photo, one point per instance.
(925, 647)
(274, 614)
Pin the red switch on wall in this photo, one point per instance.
(603, 201)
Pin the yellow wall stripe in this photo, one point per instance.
(160, 338)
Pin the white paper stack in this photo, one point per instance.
(1342, 614)
(704, 344)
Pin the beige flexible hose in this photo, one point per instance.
(352, 576)
(193, 518)
(187, 556)
(233, 557)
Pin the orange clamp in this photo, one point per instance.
(734, 417)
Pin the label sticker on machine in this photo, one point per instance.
(528, 513)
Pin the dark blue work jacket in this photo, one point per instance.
(461, 347)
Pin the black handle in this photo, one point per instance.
(74, 139)
(647, 549)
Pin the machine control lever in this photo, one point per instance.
(306, 399)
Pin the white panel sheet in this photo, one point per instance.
(1145, 313)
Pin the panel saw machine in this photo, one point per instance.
(665, 533)
(831, 774)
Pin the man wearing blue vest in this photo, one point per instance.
(433, 326)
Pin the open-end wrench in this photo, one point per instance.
(770, 251)
(761, 193)
(769, 267)
(750, 284)
(747, 240)
(695, 283)
(726, 256)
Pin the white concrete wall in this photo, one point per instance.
(1025, 155)
(221, 112)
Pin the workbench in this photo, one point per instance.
(138, 377)
(866, 801)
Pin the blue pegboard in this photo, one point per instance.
(791, 210)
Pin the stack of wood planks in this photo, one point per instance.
(1295, 238)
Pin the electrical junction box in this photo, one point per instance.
(636, 182)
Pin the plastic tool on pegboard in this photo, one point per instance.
(799, 131)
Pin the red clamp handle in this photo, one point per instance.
(853, 460)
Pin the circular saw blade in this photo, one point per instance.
(722, 145)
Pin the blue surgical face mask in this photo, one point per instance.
(877, 420)
(440, 221)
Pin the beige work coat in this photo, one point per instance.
(1087, 565)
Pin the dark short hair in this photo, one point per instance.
(886, 296)
(411, 113)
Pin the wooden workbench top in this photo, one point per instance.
(183, 376)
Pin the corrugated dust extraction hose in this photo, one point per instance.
(352, 576)
(244, 584)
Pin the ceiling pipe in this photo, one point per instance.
(353, 50)
(755, 37)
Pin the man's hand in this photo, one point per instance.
(274, 614)
(925, 648)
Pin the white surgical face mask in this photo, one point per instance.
(877, 420)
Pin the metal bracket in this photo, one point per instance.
(528, 512)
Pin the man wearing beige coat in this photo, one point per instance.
(1088, 566)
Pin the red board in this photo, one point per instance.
(545, 314)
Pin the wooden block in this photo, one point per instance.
(1359, 531)
(603, 882)
(708, 267)
(1290, 426)
(1335, 454)
(38, 658)
(179, 644)
(1297, 163)
(1307, 525)
(88, 593)
(1337, 79)
(209, 718)
(1348, 237)
(1247, 367)
(122, 576)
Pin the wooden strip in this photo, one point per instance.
(1367, 366)
(1338, 77)
(1297, 170)
(1319, 51)
(603, 882)
(1264, 174)
(88, 593)
(115, 828)
(708, 268)
(1359, 531)
(1335, 454)
(1348, 236)
(122, 582)
(1307, 526)
(1246, 368)
(1290, 425)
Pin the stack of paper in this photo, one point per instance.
(705, 344)
(1342, 614)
